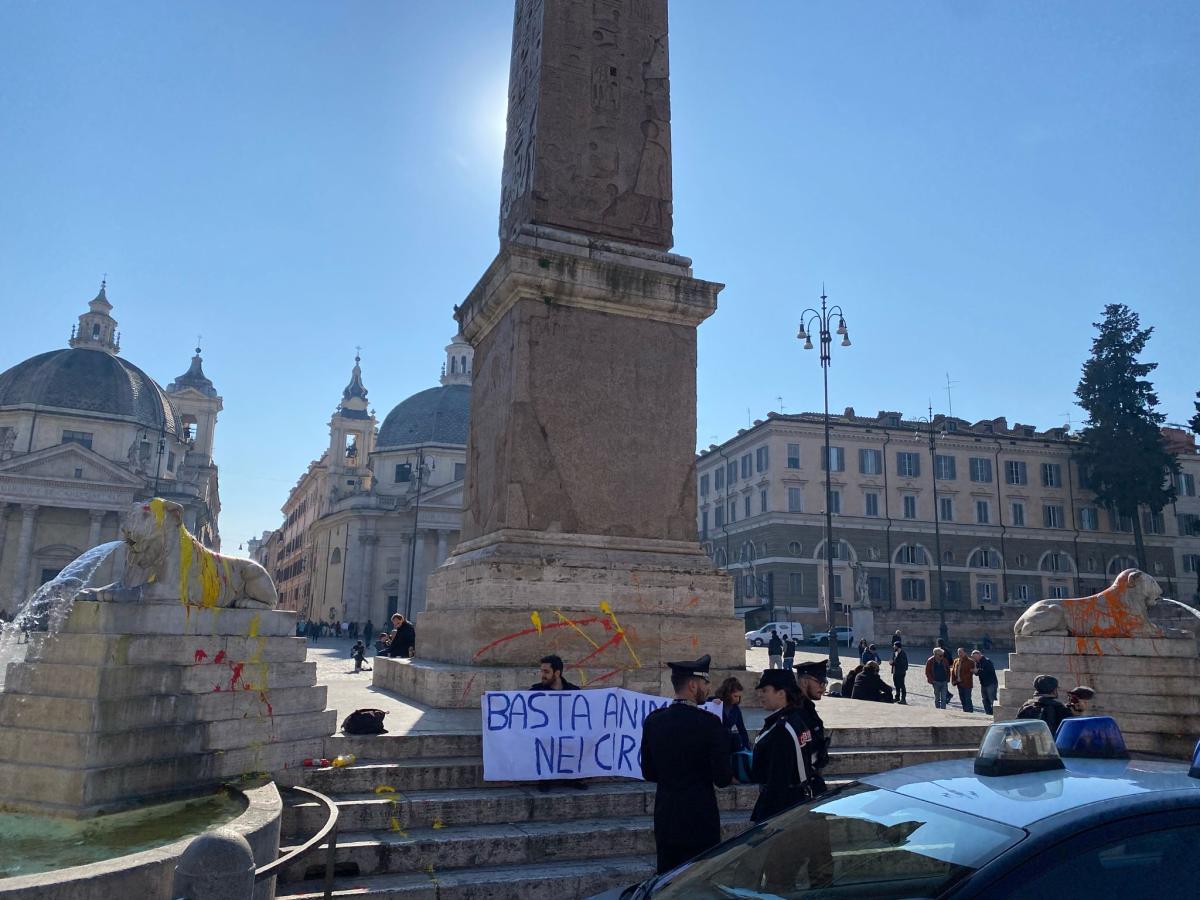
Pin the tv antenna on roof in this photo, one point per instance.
(949, 400)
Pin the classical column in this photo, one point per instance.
(3, 530)
(359, 614)
(24, 554)
(97, 519)
(442, 548)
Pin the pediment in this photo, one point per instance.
(444, 495)
(61, 461)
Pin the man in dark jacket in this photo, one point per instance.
(685, 751)
(1045, 705)
(989, 684)
(869, 686)
(550, 678)
(899, 670)
(775, 651)
(403, 638)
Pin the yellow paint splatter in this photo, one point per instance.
(537, 621)
(385, 789)
(394, 825)
(429, 869)
(607, 610)
(577, 628)
(185, 565)
(253, 632)
(159, 510)
(438, 824)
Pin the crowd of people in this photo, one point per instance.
(400, 640)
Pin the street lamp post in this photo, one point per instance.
(943, 633)
(822, 320)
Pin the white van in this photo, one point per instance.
(760, 636)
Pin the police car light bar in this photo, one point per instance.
(1091, 737)
(1014, 748)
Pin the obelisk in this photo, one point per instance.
(579, 528)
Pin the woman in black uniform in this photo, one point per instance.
(782, 754)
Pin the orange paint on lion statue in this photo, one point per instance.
(1118, 611)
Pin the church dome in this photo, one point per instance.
(91, 381)
(440, 415)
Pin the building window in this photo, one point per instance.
(1120, 563)
(871, 502)
(719, 477)
(796, 584)
(1191, 562)
(1189, 523)
(1185, 484)
(1052, 475)
(870, 462)
(1089, 519)
(1018, 513)
(944, 468)
(732, 511)
(983, 512)
(460, 471)
(1015, 472)
(908, 465)
(985, 559)
(911, 555)
(403, 472)
(1153, 522)
(984, 591)
(913, 589)
(704, 524)
(78, 437)
(794, 548)
(170, 461)
(1052, 516)
(837, 587)
(910, 506)
(893, 421)
(793, 456)
(875, 587)
(731, 473)
(760, 459)
(795, 500)
(747, 465)
(946, 510)
(1022, 592)
(838, 455)
(719, 515)
(335, 558)
(746, 513)
(762, 501)
(79, 472)
(1056, 562)
(981, 469)
(1058, 591)
(704, 485)
(835, 502)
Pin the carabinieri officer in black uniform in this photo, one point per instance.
(685, 751)
(791, 749)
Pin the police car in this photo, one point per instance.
(1029, 817)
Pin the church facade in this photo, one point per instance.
(83, 434)
(382, 507)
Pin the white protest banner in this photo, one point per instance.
(535, 735)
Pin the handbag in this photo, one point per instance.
(742, 762)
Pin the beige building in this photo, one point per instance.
(83, 434)
(380, 509)
(1016, 524)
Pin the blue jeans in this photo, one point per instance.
(964, 697)
(941, 694)
(988, 693)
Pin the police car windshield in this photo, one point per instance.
(857, 842)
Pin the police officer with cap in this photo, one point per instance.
(789, 751)
(685, 751)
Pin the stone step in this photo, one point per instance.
(1183, 709)
(1148, 686)
(178, 650)
(537, 881)
(492, 806)
(92, 617)
(467, 772)
(1063, 645)
(67, 680)
(521, 844)
(1034, 664)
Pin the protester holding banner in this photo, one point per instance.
(550, 675)
(685, 751)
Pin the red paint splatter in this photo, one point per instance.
(467, 689)
(219, 658)
(237, 675)
(615, 639)
(527, 631)
(216, 688)
(605, 676)
(201, 656)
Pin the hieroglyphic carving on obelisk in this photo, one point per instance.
(589, 120)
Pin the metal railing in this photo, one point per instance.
(327, 832)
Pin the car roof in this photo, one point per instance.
(1023, 799)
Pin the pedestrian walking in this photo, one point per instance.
(368, 629)
(789, 651)
(900, 671)
(359, 652)
(869, 686)
(1045, 704)
(896, 639)
(775, 651)
(962, 676)
(989, 684)
(862, 650)
(685, 752)
(937, 673)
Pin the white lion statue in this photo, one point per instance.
(165, 562)
(1118, 611)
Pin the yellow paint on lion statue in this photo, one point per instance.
(1118, 611)
(165, 562)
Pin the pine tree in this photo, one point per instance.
(1122, 452)
(1194, 421)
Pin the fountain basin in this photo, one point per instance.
(254, 812)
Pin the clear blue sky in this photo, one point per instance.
(973, 181)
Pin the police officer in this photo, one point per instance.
(791, 749)
(685, 751)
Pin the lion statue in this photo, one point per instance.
(1118, 611)
(165, 562)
